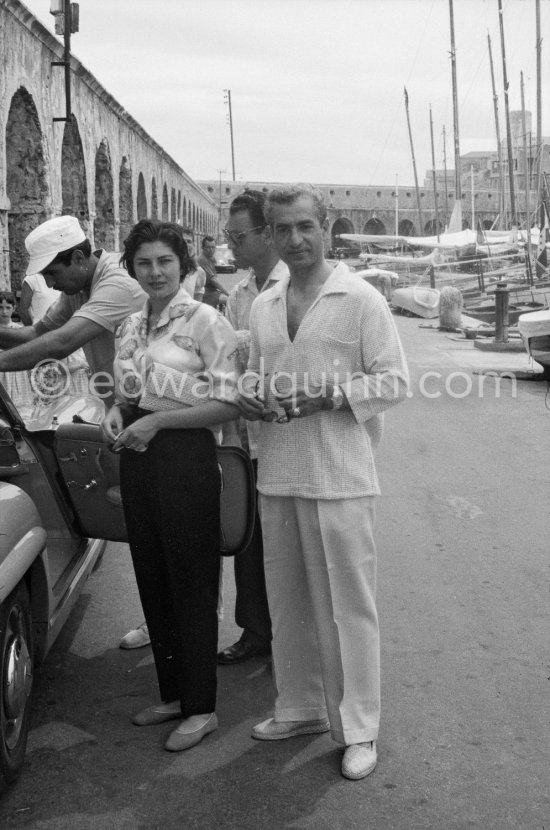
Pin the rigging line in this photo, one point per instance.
(399, 105)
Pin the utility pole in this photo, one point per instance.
(220, 204)
(227, 99)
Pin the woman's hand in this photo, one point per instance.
(137, 436)
(112, 424)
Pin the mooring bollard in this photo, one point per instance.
(502, 296)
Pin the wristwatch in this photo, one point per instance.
(337, 398)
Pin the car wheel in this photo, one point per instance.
(15, 682)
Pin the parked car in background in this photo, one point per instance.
(46, 557)
(225, 262)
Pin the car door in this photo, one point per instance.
(91, 475)
(90, 472)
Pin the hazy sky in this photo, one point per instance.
(316, 85)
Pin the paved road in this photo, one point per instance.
(463, 594)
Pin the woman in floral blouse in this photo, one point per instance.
(175, 383)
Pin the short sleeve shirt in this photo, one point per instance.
(190, 339)
(112, 296)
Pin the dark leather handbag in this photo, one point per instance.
(90, 473)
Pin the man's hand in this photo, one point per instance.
(300, 402)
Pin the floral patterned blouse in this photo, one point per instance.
(186, 358)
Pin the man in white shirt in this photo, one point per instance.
(333, 340)
(248, 239)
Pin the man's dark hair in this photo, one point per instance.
(153, 230)
(206, 239)
(253, 202)
(291, 193)
(64, 257)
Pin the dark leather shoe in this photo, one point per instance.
(242, 650)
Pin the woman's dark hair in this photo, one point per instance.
(8, 297)
(152, 230)
(64, 257)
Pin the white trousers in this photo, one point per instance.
(320, 570)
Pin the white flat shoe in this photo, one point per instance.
(359, 760)
(191, 731)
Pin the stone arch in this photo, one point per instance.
(74, 189)
(342, 225)
(141, 198)
(125, 199)
(104, 225)
(374, 226)
(430, 228)
(406, 228)
(165, 206)
(26, 181)
(154, 199)
(179, 206)
(185, 219)
(173, 213)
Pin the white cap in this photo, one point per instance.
(49, 239)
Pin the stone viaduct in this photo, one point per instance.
(380, 209)
(100, 166)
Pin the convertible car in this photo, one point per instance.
(59, 499)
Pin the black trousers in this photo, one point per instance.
(251, 606)
(171, 499)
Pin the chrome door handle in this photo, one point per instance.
(92, 483)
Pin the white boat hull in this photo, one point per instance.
(535, 332)
(422, 302)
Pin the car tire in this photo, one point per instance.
(16, 674)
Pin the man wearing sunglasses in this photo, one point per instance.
(249, 241)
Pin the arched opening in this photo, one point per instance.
(374, 226)
(141, 198)
(74, 188)
(165, 206)
(185, 219)
(179, 207)
(154, 200)
(342, 225)
(104, 226)
(406, 228)
(125, 200)
(431, 227)
(26, 182)
(173, 214)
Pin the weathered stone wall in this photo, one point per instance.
(95, 166)
(357, 209)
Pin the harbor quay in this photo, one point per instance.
(462, 527)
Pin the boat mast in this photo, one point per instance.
(527, 186)
(420, 231)
(433, 175)
(501, 195)
(445, 169)
(539, 118)
(458, 184)
(507, 112)
(396, 204)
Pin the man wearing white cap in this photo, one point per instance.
(97, 294)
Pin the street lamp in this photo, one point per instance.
(66, 23)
